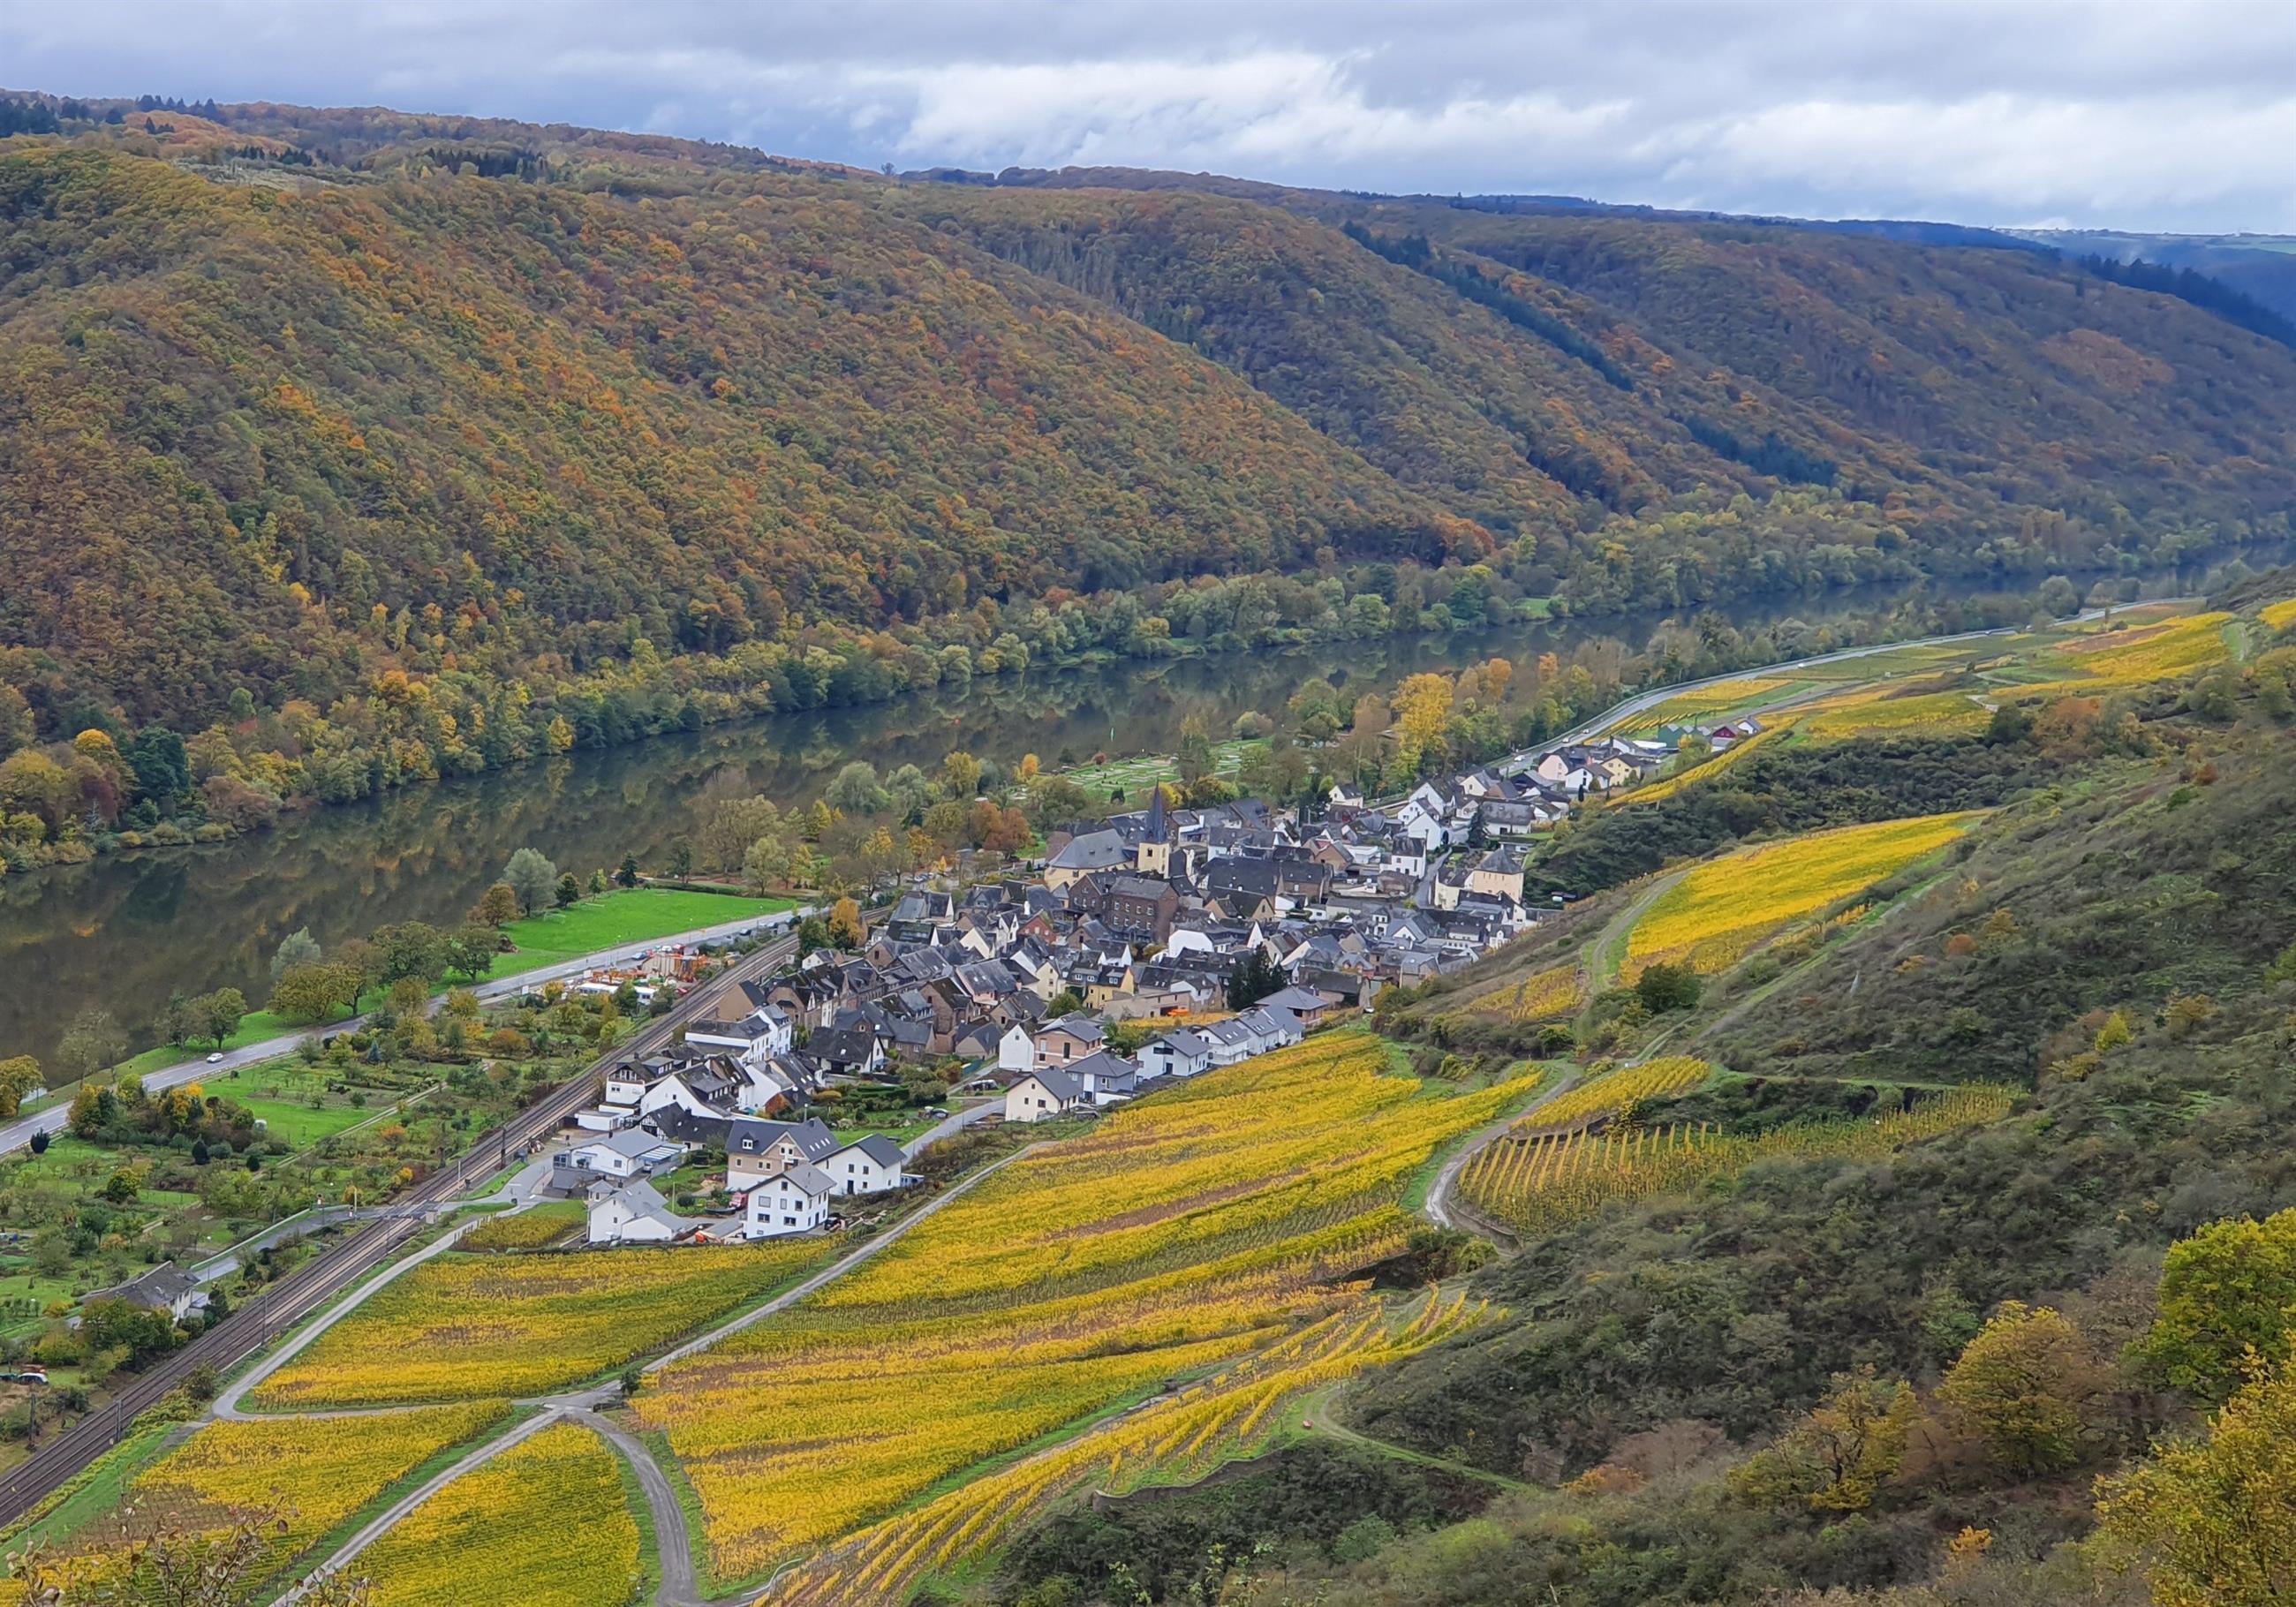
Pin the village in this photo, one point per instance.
(1141, 949)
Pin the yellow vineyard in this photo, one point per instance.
(466, 1326)
(312, 1473)
(2280, 615)
(1931, 714)
(545, 1524)
(1543, 997)
(1614, 1091)
(527, 1230)
(1718, 911)
(1539, 1184)
(1175, 1438)
(2136, 657)
(1706, 704)
(1737, 754)
(1183, 1236)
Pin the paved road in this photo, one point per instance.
(950, 1125)
(673, 1546)
(18, 1134)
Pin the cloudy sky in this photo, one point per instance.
(2113, 113)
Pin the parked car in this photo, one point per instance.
(933, 1110)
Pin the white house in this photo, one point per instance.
(1274, 1027)
(631, 1153)
(1104, 1078)
(1182, 1053)
(635, 1213)
(791, 1201)
(757, 1036)
(1016, 1051)
(867, 1166)
(1042, 1096)
(759, 1151)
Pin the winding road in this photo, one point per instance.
(679, 1586)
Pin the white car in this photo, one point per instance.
(215, 1059)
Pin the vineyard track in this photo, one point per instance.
(296, 1297)
(673, 1544)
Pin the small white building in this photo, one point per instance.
(1042, 1096)
(867, 1166)
(634, 1213)
(1182, 1053)
(631, 1153)
(1016, 1051)
(791, 1201)
(1104, 1078)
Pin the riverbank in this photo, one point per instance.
(123, 932)
(556, 944)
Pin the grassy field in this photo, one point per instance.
(617, 919)
(606, 920)
(1134, 776)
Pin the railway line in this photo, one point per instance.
(304, 1291)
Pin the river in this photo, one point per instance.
(122, 932)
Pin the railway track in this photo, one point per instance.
(302, 1292)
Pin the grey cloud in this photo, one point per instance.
(2101, 112)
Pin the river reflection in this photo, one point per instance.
(123, 932)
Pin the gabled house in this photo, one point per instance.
(1312, 1009)
(634, 1213)
(1104, 1078)
(757, 1150)
(847, 1051)
(1070, 1039)
(1016, 1051)
(1181, 1053)
(793, 1201)
(166, 1288)
(1043, 1094)
(633, 1152)
(867, 1166)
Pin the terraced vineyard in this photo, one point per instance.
(1877, 714)
(1614, 1091)
(1535, 1183)
(1185, 1236)
(1172, 1440)
(1718, 911)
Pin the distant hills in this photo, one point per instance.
(295, 398)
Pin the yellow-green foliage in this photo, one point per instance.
(2280, 615)
(1931, 714)
(2164, 652)
(1539, 1183)
(1182, 1235)
(1174, 1438)
(1705, 771)
(1705, 703)
(1718, 911)
(1542, 995)
(464, 1326)
(545, 1524)
(527, 1230)
(1614, 1091)
(310, 1473)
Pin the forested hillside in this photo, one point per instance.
(380, 446)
